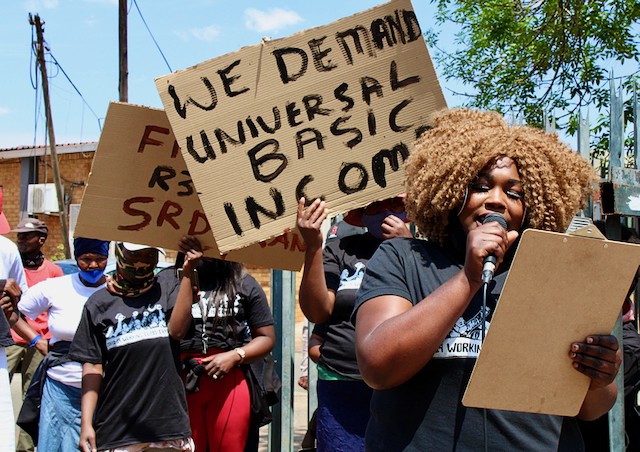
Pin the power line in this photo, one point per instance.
(59, 68)
(55, 61)
(151, 34)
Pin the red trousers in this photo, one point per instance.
(219, 412)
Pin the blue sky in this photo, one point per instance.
(83, 37)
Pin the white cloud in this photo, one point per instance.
(34, 5)
(207, 34)
(91, 20)
(271, 20)
(4, 111)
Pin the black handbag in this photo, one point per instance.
(264, 388)
(29, 417)
(260, 413)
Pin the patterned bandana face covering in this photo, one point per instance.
(132, 278)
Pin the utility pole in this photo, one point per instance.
(36, 22)
(122, 35)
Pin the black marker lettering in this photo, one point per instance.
(397, 84)
(312, 104)
(315, 138)
(339, 94)
(318, 55)
(227, 81)
(378, 166)
(394, 114)
(256, 163)
(282, 66)
(361, 182)
(337, 131)
(160, 176)
(233, 218)
(253, 208)
(370, 85)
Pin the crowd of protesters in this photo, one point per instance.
(147, 360)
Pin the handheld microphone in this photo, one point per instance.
(489, 262)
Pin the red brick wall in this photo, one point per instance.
(10, 181)
(74, 168)
(263, 276)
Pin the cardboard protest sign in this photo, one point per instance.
(140, 191)
(330, 112)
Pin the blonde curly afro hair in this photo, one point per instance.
(446, 159)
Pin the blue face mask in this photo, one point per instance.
(92, 276)
(374, 222)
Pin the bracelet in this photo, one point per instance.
(240, 353)
(35, 340)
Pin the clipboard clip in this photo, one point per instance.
(584, 227)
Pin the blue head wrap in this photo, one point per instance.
(82, 246)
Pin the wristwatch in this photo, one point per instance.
(241, 353)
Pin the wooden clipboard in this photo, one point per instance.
(560, 288)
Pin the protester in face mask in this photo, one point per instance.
(329, 284)
(63, 299)
(132, 396)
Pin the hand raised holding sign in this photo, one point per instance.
(310, 221)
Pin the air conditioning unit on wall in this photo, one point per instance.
(42, 198)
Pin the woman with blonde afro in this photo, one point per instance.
(418, 312)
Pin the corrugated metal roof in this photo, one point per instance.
(33, 151)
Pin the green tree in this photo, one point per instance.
(529, 57)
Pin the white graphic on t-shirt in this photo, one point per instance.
(353, 281)
(465, 338)
(206, 299)
(148, 324)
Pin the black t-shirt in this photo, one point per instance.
(426, 412)
(596, 432)
(142, 398)
(228, 330)
(5, 332)
(344, 263)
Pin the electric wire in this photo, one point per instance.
(151, 34)
(55, 61)
(35, 86)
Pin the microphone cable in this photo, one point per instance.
(488, 267)
(483, 317)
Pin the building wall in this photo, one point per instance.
(10, 181)
(263, 276)
(74, 173)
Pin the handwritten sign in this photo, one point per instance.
(331, 112)
(140, 191)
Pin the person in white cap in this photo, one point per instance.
(132, 395)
